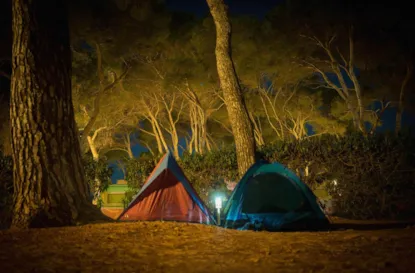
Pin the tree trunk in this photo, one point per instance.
(238, 115)
(129, 146)
(95, 157)
(93, 148)
(97, 103)
(356, 84)
(259, 139)
(198, 123)
(157, 136)
(49, 184)
(160, 134)
(399, 110)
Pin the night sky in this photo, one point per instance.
(249, 7)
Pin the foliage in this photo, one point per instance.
(138, 169)
(210, 172)
(174, 53)
(136, 172)
(167, 51)
(97, 173)
(375, 178)
(377, 181)
(6, 189)
(374, 175)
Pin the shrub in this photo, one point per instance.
(210, 172)
(376, 179)
(6, 189)
(97, 174)
(137, 170)
(375, 175)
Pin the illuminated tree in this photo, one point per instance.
(400, 106)
(238, 115)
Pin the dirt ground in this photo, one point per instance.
(174, 247)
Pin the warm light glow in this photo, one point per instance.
(218, 202)
(335, 182)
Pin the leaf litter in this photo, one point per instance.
(182, 247)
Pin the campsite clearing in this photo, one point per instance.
(183, 247)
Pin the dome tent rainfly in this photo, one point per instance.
(167, 195)
(270, 196)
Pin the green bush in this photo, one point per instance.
(208, 172)
(376, 179)
(137, 170)
(6, 189)
(375, 175)
(97, 174)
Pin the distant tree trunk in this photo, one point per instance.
(399, 110)
(238, 115)
(357, 87)
(259, 138)
(49, 183)
(339, 65)
(93, 148)
(171, 128)
(128, 145)
(95, 157)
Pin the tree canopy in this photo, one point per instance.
(145, 74)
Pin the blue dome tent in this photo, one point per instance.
(272, 197)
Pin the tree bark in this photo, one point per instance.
(238, 114)
(49, 184)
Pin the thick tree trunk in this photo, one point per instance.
(238, 115)
(49, 183)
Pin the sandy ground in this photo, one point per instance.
(174, 247)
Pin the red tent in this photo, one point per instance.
(167, 195)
